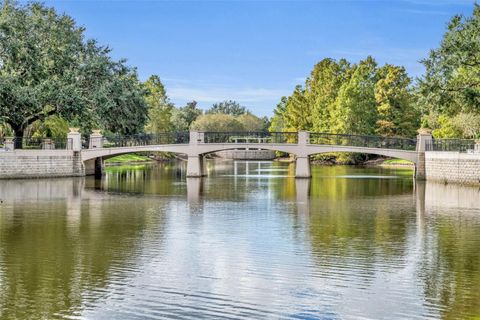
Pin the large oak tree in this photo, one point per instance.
(47, 67)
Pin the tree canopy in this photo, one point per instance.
(451, 84)
(342, 97)
(47, 67)
(230, 107)
(217, 122)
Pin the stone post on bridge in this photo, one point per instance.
(74, 140)
(302, 162)
(195, 160)
(9, 143)
(96, 140)
(424, 141)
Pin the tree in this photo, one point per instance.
(230, 107)
(251, 123)
(451, 83)
(322, 89)
(159, 107)
(183, 117)
(355, 108)
(277, 123)
(48, 68)
(396, 113)
(298, 113)
(217, 122)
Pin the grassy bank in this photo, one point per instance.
(125, 158)
(397, 162)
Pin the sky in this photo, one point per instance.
(255, 52)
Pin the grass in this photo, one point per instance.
(397, 161)
(128, 158)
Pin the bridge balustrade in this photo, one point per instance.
(362, 141)
(139, 140)
(34, 143)
(250, 137)
(453, 145)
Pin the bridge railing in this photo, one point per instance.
(34, 143)
(454, 145)
(250, 137)
(363, 141)
(139, 140)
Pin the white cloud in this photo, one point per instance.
(215, 94)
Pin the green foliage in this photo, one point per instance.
(396, 114)
(451, 84)
(341, 97)
(298, 114)
(5, 130)
(251, 122)
(160, 109)
(355, 108)
(183, 117)
(446, 128)
(277, 123)
(48, 68)
(229, 107)
(217, 122)
(52, 127)
(131, 157)
(322, 91)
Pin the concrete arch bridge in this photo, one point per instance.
(301, 144)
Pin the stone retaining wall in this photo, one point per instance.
(453, 167)
(44, 163)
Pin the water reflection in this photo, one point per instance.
(249, 241)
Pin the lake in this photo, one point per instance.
(247, 242)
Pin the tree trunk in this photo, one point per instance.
(18, 136)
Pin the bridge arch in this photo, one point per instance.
(411, 156)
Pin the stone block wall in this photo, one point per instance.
(40, 164)
(453, 167)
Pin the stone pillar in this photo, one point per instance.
(194, 190)
(303, 138)
(302, 167)
(74, 140)
(195, 166)
(477, 146)
(99, 167)
(196, 137)
(9, 143)
(47, 144)
(424, 141)
(96, 140)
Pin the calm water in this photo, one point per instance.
(248, 242)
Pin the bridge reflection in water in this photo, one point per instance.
(123, 246)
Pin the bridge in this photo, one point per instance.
(196, 145)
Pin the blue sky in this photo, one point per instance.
(256, 51)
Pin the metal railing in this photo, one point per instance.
(250, 137)
(139, 140)
(363, 141)
(455, 145)
(29, 143)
